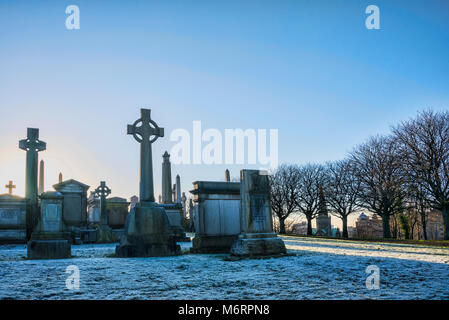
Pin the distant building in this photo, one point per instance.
(369, 228)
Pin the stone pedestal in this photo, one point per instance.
(147, 233)
(50, 240)
(215, 215)
(256, 237)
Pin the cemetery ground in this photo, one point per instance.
(316, 268)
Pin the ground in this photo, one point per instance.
(316, 269)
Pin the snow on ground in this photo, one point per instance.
(317, 269)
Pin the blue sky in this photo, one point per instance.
(307, 68)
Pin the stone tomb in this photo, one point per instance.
(75, 202)
(117, 211)
(50, 240)
(13, 212)
(256, 236)
(175, 218)
(216, 215)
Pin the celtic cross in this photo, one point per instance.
(146, 131)
(103, 191)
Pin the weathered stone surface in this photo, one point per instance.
(13, 215)
(175, 218)
(117, 211)
(215, 215)
(75, 202)
(50, 240)
(256, 236)
(147, 233)
(147, 228)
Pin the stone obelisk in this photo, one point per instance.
(227, 176)
(147, 229)
(60, 177)
(41, 177)
(178, 188)
(32, 145)
(167, 191)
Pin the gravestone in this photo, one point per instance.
(75, 202)
(32, 145)
(227, 176)
(13, 214)
(323, 220)
(172, 209)
(117, 211)
(105, 233)
(147, 229)
(50, 239)
(133, 201)
(183, 201)
(216, 215)
(256, 225)
(93, 209)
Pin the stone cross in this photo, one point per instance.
(146, 134)
(32, 145)
(103, 191)
(10, 186)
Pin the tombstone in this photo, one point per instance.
(13, 215)
(102, 192)
(93, 209)
(117, 211)
(41, 177)
(256, 225)
(178, 189)
(227, 176)
(172, 209)
(216, 215)
(50, 239)
(183, 201)
(32, 145)
(75, 202)
(323, 220)
(147, 229)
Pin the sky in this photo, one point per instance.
(310, 69)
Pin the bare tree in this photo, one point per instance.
(283, 185)
(425, 149)
(311, 177)
(342, 190)
(377, 168)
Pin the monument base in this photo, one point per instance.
(48, 249)
(212, 244)
(147, 233)
(258, 244)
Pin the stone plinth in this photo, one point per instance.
(13, 219)
(147, 233)
(256, 234)
(117, 211)
(175, 217)
(50, 239)
(215, 216)
(75, 202)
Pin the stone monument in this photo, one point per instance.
(60, 177)
(323, 220)
(50, 239)
(105, 234)
(183, 201)
(13, 214)
(256, 236)
(41, 177)
(215, 216)
(167, 193)
(227, 176)
(147, 229)
(10, 186)
(32, 145)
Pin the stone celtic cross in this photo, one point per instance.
(10, 186)
(103, 191)
(32, 145)
(146, 133)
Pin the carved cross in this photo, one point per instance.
(10, 186)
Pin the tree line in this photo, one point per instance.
(390, 175)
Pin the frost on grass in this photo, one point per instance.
(317, 269)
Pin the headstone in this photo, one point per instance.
(41, 177)
(216, 215)
(32, 145)
(105, 233)
(167, 193)
(13, 213)
(323, 220)
(10, 186)
(93, 209)
(50, 239)
(75, 202)
(117, 211)
(147, 229)
(256, 225)
(227, 176)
